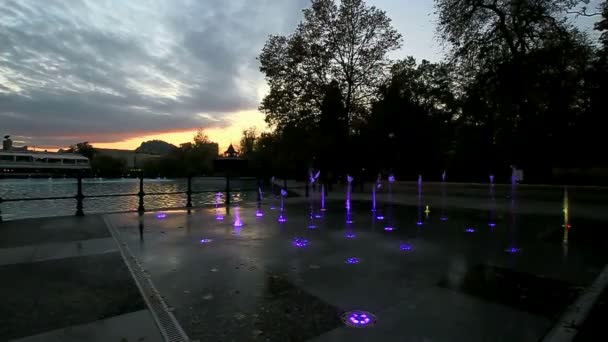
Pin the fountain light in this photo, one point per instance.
(470, 230)
(358, 319)
(161, 216)
(406, 247)
(206, 240)
(300, 242)
(352, 261)
(389, 229)
(350, 235)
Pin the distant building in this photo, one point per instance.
(231, 152)
(7, 145)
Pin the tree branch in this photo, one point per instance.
(584, 13)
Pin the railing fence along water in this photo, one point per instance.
(80, 196)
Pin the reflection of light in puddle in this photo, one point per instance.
(352, 261)
(161, 216)
(358, 319)
(406, 247)
(206, 240)
(300, 242)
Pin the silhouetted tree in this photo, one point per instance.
(84, 149)
(347, 43)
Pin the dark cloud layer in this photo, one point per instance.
(72, 70)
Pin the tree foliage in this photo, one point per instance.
(346, 43)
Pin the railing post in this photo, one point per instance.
(227, 189)
(141, 193)
(79, 196)
(189, 193)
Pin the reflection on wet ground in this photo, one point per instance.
(456, 274)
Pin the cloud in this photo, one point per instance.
(74, 70)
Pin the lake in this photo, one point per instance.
(36, 188)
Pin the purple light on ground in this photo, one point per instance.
(312, 226)
(358, 319)
(161, 216)
(389, 229)
(319, 215)
(419, 223)
(443, 218)
(238, 223)
(300, 242)
(351, 235)
(352, 261)
(492, 224)
(512, 250)
(206, 240)
(259, 213)
(272, 207)
(380, 217)
(470, 230)
(282, 218)
(219, 217)
(349, 221)
(406, 247)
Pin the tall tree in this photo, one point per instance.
(248, 141)
(200, 138)
(347, 43)
(84, 149)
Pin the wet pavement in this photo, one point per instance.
(61, 277)
(477, 275)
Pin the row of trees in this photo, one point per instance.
(521, 85)
(194, 158)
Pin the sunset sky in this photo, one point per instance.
(116, 73)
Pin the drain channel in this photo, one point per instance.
(165, 320)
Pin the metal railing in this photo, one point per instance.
(80, 196)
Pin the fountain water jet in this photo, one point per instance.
(419, 222)
(443, 217)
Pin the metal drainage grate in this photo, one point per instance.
(165, 320)
(358, 319)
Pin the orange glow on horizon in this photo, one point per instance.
(223, 136)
